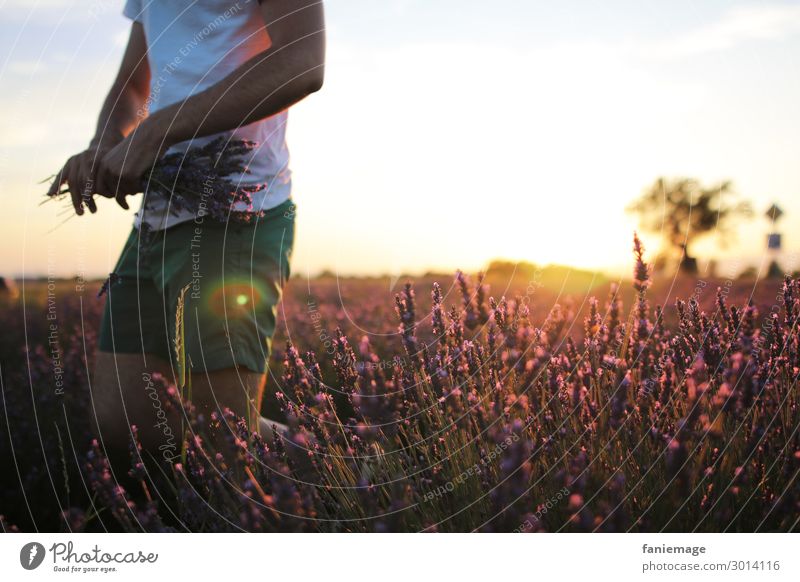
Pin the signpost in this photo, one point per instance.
(773, 214)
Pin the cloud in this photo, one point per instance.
(17, 4)
(736, 27)
(26, 67)
(59, 10)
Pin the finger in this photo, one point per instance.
(75, 192)
(120, 198)
(127, 187)
(88, 186)
(130, 186)
(115, 189)
(88, 199)
(60, 179)
(102, 183)
(93, 171)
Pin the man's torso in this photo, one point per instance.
(191, 46)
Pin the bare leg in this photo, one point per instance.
(235, 388)
(123, 395)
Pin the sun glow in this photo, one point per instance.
(520, 146)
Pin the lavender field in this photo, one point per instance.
(459, 404)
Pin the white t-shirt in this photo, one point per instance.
(192, 44)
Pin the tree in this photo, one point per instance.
(682, 211)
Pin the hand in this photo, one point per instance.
(119, 173)
(78, 173)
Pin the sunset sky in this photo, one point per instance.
(449, 132)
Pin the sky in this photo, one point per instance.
(449, 132)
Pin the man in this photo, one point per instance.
(194, 70)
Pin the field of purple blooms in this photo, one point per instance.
(446, 410)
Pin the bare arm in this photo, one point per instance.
(123, 108)
(125, 105)
(273, 80)
(289, 70)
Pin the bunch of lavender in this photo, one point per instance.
(199, 181)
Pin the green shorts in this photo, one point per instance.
(233, 275)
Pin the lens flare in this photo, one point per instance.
(235, 297)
